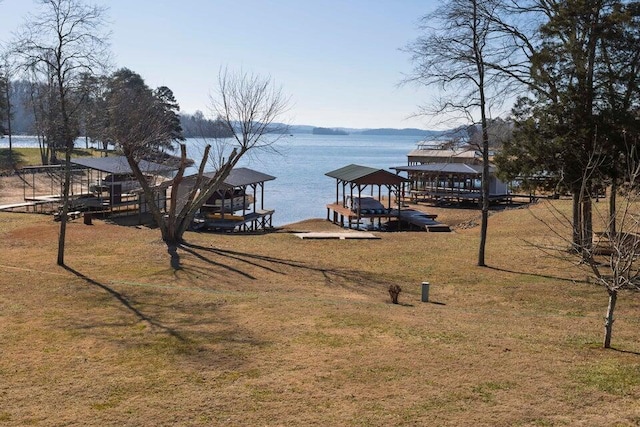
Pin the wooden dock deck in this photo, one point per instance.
(423, 221)
(420, 220)
(447, 195)
(252, 221)
(28, 205)
(340, 213)
(12, 206)
(357, 235)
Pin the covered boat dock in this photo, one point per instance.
(452, 182)
(353, 204)
(112, 189)
(101, 185)
(234, 207)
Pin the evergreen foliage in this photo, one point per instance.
(137, 119)
(583, 99)
(198, 126)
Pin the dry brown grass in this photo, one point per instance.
(28, 156)
(274, 330)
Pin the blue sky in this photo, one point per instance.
(339, 61)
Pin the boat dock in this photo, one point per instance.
(253, 221)
(423, 221)
(44, 204)
(337, 214)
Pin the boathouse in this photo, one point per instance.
(238, 205)
(449, 175)
(355, 204)
(429, 154)
(104, 186)
(457, 182)
(112, 188)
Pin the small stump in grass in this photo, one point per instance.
(394, 291)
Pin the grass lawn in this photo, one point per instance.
(273, 330)
(21, 156)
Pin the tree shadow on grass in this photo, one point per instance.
(544, 276)
(625, 351)
(253, 260)
(123, 300)
(205, 338)
(190, 249)
(350, 279)
(9, 159)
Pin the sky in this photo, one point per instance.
(340, 61)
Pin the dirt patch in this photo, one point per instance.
(14, 188)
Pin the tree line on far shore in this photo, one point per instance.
(22, 98)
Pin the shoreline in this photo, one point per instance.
(13, 190)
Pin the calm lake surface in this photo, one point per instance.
(301, 190)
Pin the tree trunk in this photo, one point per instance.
(485, 194)
(587, 227)
(577, 220)
(68, 142)
(65, 204)
(172, 238)
(608, 320)
(7, 94)
(164, 220)
(52, 152)
(484, 223)
(172, 249)
(485, 138)
(612, 209)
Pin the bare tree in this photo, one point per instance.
(5, 103)
(63, 41)
(247, 104)
(460, 54)
(614, 260)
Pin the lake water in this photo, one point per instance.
(301, 190)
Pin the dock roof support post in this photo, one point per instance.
(351, 192)
(111, 194)
(359, 204)
(344, 193)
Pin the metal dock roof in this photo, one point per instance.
(240, 177)
(365, 175)
(459, 168)
(119, 165)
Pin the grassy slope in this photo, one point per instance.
(22, 156)
(273, 330)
